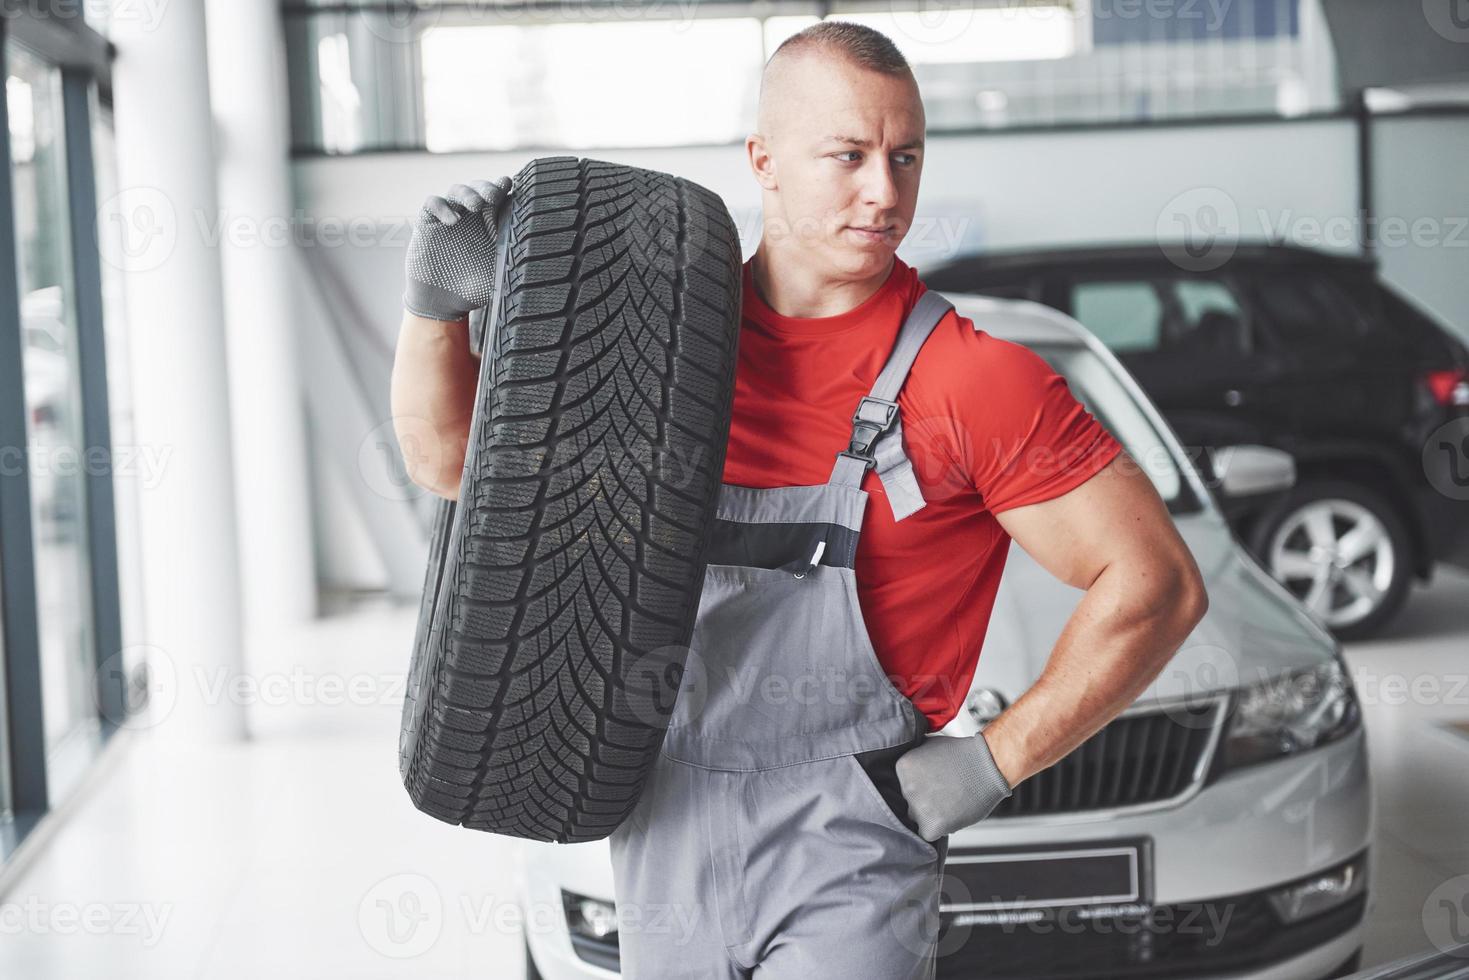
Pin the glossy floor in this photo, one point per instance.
(297, 854)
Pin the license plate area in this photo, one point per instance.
(1111, 875)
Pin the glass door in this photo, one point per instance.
(56, 447)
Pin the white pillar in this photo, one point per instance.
(247, 78)
(175, 310)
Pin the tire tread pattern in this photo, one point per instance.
(562, 590)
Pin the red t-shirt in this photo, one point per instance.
(988, 426)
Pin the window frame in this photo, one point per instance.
(56, 33)
(299, 17)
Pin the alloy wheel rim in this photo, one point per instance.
(1337, 557)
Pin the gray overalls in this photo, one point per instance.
(772, 838)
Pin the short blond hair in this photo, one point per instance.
(861, 45)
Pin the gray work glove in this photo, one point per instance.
(950, 783)
(451, 257)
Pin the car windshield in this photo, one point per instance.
(1097, 386)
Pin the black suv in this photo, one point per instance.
(1299, 350)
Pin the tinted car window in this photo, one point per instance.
(1209, 319)
(1097, 386)
(1197, 297)
(1339, 306)
(1126, 316)
(1306, 308)
(1175, 314)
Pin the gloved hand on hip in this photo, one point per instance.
(950, 783)
(451, 256)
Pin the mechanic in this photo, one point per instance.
(802, 826)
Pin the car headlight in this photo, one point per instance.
(1290, 714)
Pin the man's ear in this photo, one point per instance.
(762, 163)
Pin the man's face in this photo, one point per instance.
(845, 153)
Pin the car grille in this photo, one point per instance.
(1232, 935)
(1135, 759)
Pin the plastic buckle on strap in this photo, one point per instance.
(866, 428)
(889, 412)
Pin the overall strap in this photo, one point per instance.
(877, 432)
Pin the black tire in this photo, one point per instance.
(1274, 527)
(561, 591)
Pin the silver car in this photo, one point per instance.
(1220, 827)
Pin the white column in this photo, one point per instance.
(247, 79)
(175, 309)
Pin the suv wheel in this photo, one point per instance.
(1342, 550)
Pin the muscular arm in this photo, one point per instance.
(433, 386)
(1113, 537)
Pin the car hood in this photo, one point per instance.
(1252, 631)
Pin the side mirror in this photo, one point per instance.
(1247, 471)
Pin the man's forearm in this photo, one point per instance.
(433, 387)
(1120, 636)
(448, 272)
